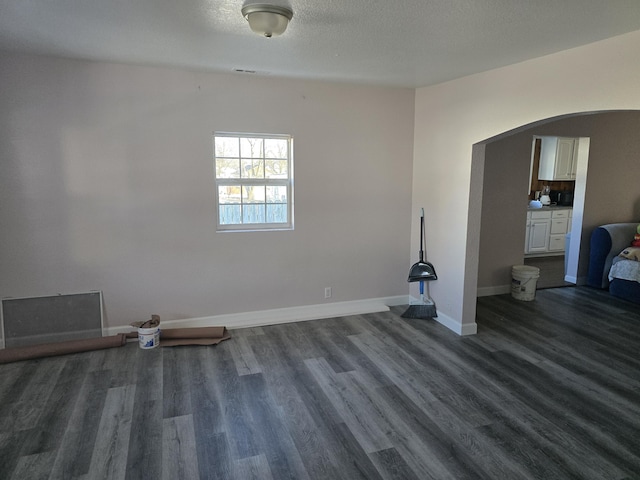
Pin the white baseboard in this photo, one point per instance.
(304, 313)
(498, 290)
(447, 321)
(460, 329)
(282, 315)
(502, 289)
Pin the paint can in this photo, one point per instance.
(149, 337)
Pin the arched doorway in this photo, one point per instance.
(604, 194)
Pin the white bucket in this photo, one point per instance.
(149, 337)
(523, 282)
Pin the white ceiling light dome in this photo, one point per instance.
(267, 20)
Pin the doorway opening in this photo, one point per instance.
(501, 169)
(555, 192)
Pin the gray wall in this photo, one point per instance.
(612, 190)
(107, 184)
(504, 207)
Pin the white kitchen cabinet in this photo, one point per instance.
(556, 243)
(557, 158)
(539, 227)
(558, 225)
(547, 230)
(559, 228)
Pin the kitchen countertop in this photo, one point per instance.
(549, 208)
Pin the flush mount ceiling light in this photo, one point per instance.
(267, 20)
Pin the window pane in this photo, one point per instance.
(276, 148)
(277, 194)
(276, 213)
(230, 214)
(253, 176)
(276, 169)
(228, 194)
(252, 168)
(227, 147)
(253, 214)
(251, 147)
(227, 168)
(253, 194)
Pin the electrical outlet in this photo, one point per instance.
(327, 292)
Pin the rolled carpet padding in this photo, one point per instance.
(172, 337)
(17, 354)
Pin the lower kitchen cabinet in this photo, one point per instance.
(546, 231)
(539, 226)
(556, 243)
(560, 226)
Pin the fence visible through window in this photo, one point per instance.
(254, 179)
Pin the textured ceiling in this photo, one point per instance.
(408, 43)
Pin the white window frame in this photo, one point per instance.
(286, 182)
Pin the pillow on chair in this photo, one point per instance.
(631, 253)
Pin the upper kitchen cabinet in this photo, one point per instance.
(557, 159)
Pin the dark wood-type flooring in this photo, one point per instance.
(548, 389)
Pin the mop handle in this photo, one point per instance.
(422, 236)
